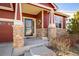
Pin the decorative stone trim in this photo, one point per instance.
(44, 32)
(18, 36)
(41, 32)
(51, 33)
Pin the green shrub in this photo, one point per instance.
(73, 26)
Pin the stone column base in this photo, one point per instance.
(42, 32)
(51, 33)
(18, 35)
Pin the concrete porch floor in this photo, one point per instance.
(35, 41)
(6, 49)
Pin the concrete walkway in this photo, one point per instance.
(29, 43)
(6, 49)
(32, 47)
(42, 51)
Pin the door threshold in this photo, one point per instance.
(30, 37)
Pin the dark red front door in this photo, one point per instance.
(6, 33)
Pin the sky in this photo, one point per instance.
(68, 8)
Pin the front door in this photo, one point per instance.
(29, 27)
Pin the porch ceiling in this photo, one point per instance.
(30, 9)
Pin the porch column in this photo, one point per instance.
(42, 23)
(51, 27)
(18, 28)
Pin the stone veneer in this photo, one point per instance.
(18, 36)
(41, 32)
(51, 33)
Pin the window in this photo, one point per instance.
(57, 21)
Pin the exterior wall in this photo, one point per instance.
(7, 14)
(46, 23)
(5, 4)
(39, 25)
(6, 35)
(4, 13)
(46, 19)
(39, 30)
(28, 15)
(39, 20)
(18, 13)
(64, 22)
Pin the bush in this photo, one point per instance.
(62, 43)
(73, 25)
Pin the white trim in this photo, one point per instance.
(42, 18)
(15, 11)
(11, 6)
(43, 6)
(34, 34)
(20, 11)
(49, 19)
(18, 22)
(54, 5)
(52, 15)
(8, 20)
(62, 22)
(7, 8)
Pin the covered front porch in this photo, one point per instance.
(35, 20)
(31, 27)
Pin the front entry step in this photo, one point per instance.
(41, 51)
(29, 37)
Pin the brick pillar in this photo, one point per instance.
(18, 28)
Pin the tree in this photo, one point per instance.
(73, 26)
